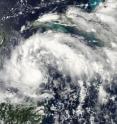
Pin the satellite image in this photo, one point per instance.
(58, 61)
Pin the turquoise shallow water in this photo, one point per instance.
(94, 3)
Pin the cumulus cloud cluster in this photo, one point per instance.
(30, 61)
